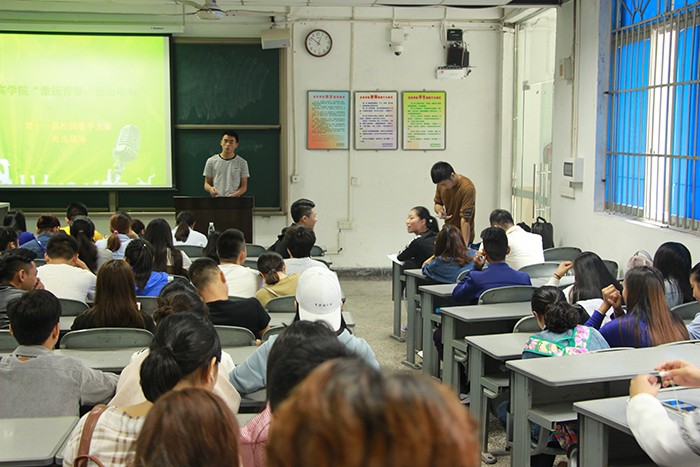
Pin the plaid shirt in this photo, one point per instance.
(253, 439)
(112, 441)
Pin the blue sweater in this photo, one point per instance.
(445, 271)
(157, 281)
(620, 332)
(476, 282)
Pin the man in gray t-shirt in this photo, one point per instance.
(226, 174)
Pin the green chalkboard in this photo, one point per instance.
(215, 85)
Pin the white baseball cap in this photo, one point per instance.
(319, 296)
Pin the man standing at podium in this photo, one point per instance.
(226, 174)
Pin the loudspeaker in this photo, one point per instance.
(276, 38)
(457, 56)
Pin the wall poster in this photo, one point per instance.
(424, 120)
(329, 120)
(376, 120)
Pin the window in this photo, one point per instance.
(652, 166)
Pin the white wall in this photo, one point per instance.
(581, 221)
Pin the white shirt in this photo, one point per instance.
(525, 248)
(66, 281)
(194, 238)
(241, 281)
(301, 264)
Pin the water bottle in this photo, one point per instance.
(211, 229)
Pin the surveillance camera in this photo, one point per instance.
(397, 49)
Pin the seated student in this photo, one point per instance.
(139, 254)
(694, 326)
(17, 221)
(210, 250)
(319, 298)
(525, 247)
(46, 227)
(34, 382)
(74, 210)
(277, 282)
(115, 301)
(17, 276)
(8, 239)
(138, 228)
(648, 321)
(420, 248)
(498, 274)
(242, 281)
(303, 212)
(211, 283)
(167, 258)
(185, 353)
(303, 346)
(673, 260)
(82, 229)
(450, 259)
(64, 274)
(210, 439)
(669, 441)
(120, 226)
(300, 240)
(394, 420)
(176, 297)
(184, 233)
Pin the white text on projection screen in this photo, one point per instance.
(87, 111)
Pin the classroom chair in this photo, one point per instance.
(317, 251)
(106, 338)
(72, 307)
(193, 251)
(235, 336)
(251, 263)
(540, 269)
(507, 294)
(527, 324)
(233, 298)
(612, 267)
(272, 332)
(176, 277)
(148, 304)
(253, 250)
(39, 261)
(461, 275)
(7, 341)
(687, 311)
(282, 305)
(349, 319)
(561, 253)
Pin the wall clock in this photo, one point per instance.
(318, 43)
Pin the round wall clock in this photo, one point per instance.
(318, 43)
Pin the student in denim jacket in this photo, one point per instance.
(451, 256)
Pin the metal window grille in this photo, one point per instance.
(652, 163)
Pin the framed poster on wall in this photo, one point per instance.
(328, 120)
(377, 120)
(424, 120)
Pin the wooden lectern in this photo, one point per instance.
(225, 213)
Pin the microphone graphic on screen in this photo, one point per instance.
(125, 150)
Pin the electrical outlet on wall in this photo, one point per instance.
(295, 178)
(345, 225)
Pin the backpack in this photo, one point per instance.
(572, 345)
(545, 230)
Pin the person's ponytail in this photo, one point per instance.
(271, 263)
(160, 372)
(139, 254)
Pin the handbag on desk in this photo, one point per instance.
(545, 230)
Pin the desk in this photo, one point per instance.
(397, 279)
(432, 297)
(500, 347)
(577, 378)
(20, 445)
(414, 337)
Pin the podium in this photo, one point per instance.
(225, 213)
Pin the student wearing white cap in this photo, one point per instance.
(318, 298)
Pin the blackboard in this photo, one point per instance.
(217, 85)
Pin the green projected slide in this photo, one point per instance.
(81, 110)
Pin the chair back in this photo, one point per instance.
(317, 251)
(234, 298)
(562, 253)
(177, 277)
(508, 294)
(148, 304)
(546, 269)
(235, 336)
(687, 311)
(326, 262)
(527, 324)
(282, 304)
(612, 267)
(7, 341)
(106, 338)
(72, 307)
(39, 262)
(254, 250)
(251, 263)
(193, 251)
(272, 332)
(461, 275)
